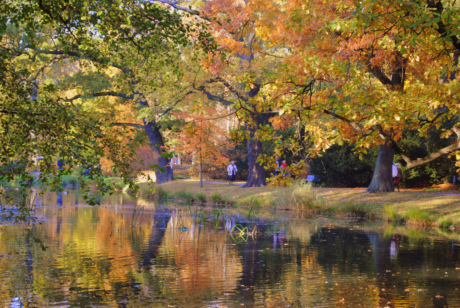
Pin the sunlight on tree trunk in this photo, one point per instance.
(157, 144)
(382, 180)
(257, 174)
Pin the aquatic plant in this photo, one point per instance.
(217, 216)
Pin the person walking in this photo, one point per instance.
(398, 176)
(394, 172)
(231, 170)
(283, 166)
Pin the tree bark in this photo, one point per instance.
(382, 180)
(157, 145)
(256, 174)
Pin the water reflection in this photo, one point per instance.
(119, 256)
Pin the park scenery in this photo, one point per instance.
(229, 153)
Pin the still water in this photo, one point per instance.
(119, 255)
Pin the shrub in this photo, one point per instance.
(69, 180)
(186, 196)
(304, 196)
(218, 199)
(339, 166)
(161, 194)
(201, 197)
(446, 224)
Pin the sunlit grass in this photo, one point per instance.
(409, 207)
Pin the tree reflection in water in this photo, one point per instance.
(104, 256)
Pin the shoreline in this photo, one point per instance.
(427, 210)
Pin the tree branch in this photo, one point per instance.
(174, 105)
(177, 7)
(438, 8)
(109, 93)
(420, 161)
(80, 56)
(138, 126)
(213, 97)
(353, 124)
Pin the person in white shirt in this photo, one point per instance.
(231, 170)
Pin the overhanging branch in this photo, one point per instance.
(420, 161)
(138, 126)
(98, 94)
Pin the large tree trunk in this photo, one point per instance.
(256, 175)
(382, 180)
(157, 144)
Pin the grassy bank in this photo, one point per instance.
(416, 208)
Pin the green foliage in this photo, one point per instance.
(438, 171)
(161, 194)
(217, 199)
(186, 196)
(201, 197)
(35, 118)
(339, 166)
(70, 180)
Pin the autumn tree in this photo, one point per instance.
(205, 138)
(369, 70)
(245, 72)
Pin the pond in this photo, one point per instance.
(132, 253)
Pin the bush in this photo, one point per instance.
(304, 196)
(340, 167)
(69, 180)
(12, 168)
(218, 199)
(161, 194)
(186, 196)
(201, 197)
(440, 170)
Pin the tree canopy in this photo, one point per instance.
(83, 80)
